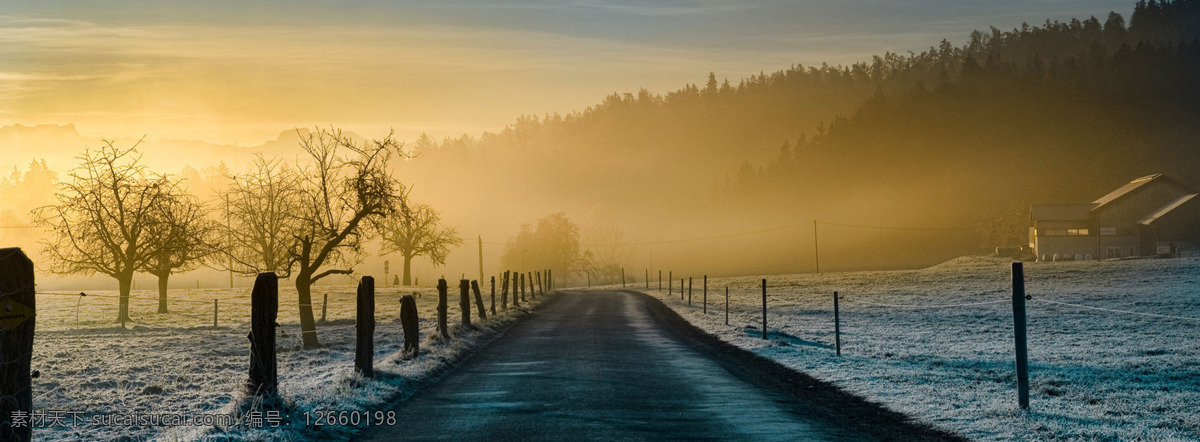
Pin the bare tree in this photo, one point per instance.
(418, 234)
(260, 210)
(102, 222)
(346, 191)
(181, 238)
(605, 252)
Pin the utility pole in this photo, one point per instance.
(228, 237)
(816, 251)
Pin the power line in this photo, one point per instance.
(915, 229)
(752, 232)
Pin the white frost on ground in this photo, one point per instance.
(1094, 375)
(180, 363)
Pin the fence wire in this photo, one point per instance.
(1088, 307)
(970, 304)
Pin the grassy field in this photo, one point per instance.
(937, 343)
(180, 363)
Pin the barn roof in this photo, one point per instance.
(1162, 211)
(1124, 190)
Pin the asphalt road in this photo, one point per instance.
(598, 366)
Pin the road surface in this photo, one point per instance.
(598, 366)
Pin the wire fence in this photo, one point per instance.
(187, 308)
(792, 314)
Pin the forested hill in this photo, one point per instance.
(950, 136)
(1060, 112)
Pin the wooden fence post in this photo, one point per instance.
(589, 277)
(660, 280)
(837, 326)
(647, 279)
(622, 277)
(541, 288)
(550, 279)
(705, 294)
(518, 280)
(681, 290)
(364, 324)
(532, 292)
(215, 309)
(689, 289)
(1019, 334)
(464, 300)
(17, 297)
(478, 300)
(442, 308)
(726, 305)
(411, 325)
(493, 286)
(504, 292)
(670, 283)
(764, 287)
(324, 307)
(264, 311)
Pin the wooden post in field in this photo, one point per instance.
(689, 289)
(837, 326)
(215, 313)
(464, 300)
(647, 279)
(764, 330)
(589, 277)
(550, 278)
(442, 308)
(1019, 334)
(622, 277)
(364, 324)
(671, 283)
(264, 311)
(478, 300)
(660, 280)
(493, 285)
(541, 288)
(726, 305)
(681, 289)
(411, 325)
(532, 293)
(17, 320)
(324, 307)
(705, 294)
(504, 292)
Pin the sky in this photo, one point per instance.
(237, 72)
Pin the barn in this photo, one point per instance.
(1154, 215)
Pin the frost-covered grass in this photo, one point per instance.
(180, 363)
(1094, 375)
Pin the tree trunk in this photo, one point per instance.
(407, 270)
(125, 283)
(308, 326)
(162, 292)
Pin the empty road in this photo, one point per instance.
(599, 366)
